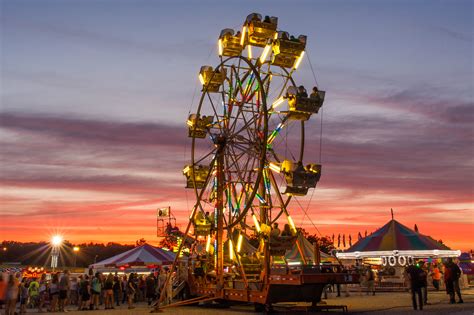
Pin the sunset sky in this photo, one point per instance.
(95, 95)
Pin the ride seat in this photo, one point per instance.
(200, 175)
(299, 178)
(286, 51)
(259, 32)
(301, 108)
(230, 44)
(197, 126)
(211, 79)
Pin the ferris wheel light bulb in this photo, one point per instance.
(249, 51)
(298, 61)
(265, 52)
(274, 167)
(201, 78)
(208, 243)
(186, 169)
(231, 250)
(239, 243)
(255, 222)
(278, 102)
(242, 38)
(292, 224)
(221, 48)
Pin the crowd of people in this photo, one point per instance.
(83, 292)
(418, 279)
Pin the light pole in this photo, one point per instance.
(75, 249)
(56, 242)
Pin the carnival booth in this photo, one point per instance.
(391, 248)
(141, 259)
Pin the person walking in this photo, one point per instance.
(436, 276)
(413, 273)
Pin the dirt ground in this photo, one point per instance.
(381, 303)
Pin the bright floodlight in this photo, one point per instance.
(56, 240)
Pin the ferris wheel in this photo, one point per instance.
(247, 150)
(247, 162)
(248, 131)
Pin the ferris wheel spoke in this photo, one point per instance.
(213, 151)
(218, 120)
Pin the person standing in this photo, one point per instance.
(54, 292)
(43, 292)
(370, 278)
(64, 284)
(436, 276)
(85, 293)
(117, 288)
(124, 288)
(23, 295)
(96, 289)
(413, 273)
(453, 281)
(131, 290)
(11, 294)
(3, 289)
(423, 281)
(73, 292)
(109, 292)
(150, 288)
(169, 287)
(33, 292)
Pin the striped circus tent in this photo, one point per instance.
(144, 255)
(395, 238)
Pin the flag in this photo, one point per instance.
(359, 236)
(365, 233)
(344, 240)
(350, 240)
(416, 228)
(339, 240)
(333, 238)
(163, 212)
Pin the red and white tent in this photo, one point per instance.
(144, 255)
